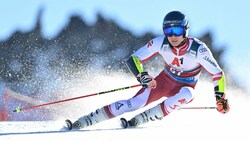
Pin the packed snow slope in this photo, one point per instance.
(194, 125)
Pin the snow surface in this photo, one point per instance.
(193, 125)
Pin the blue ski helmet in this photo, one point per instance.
(176, 18)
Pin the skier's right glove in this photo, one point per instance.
(146, 80)
(222, 103)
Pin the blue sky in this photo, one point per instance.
(227, 20)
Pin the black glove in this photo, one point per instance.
(221, 102)
(146, 80)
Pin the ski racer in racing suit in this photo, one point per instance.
(184, 59)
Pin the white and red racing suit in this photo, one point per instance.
(177, 81)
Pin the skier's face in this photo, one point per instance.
(175, 40)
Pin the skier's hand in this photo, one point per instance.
(146, 80)
(222, 103)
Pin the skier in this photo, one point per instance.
(184, 59)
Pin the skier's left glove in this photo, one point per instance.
(222, 103)
(146, 80)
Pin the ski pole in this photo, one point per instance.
(74, 98)
(198, 108)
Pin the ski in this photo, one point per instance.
(125, 124)
(69, 124)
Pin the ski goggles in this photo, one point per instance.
(174, 30)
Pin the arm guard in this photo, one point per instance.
(221, 84)
(135, 65)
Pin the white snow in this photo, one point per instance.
(189, 125)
